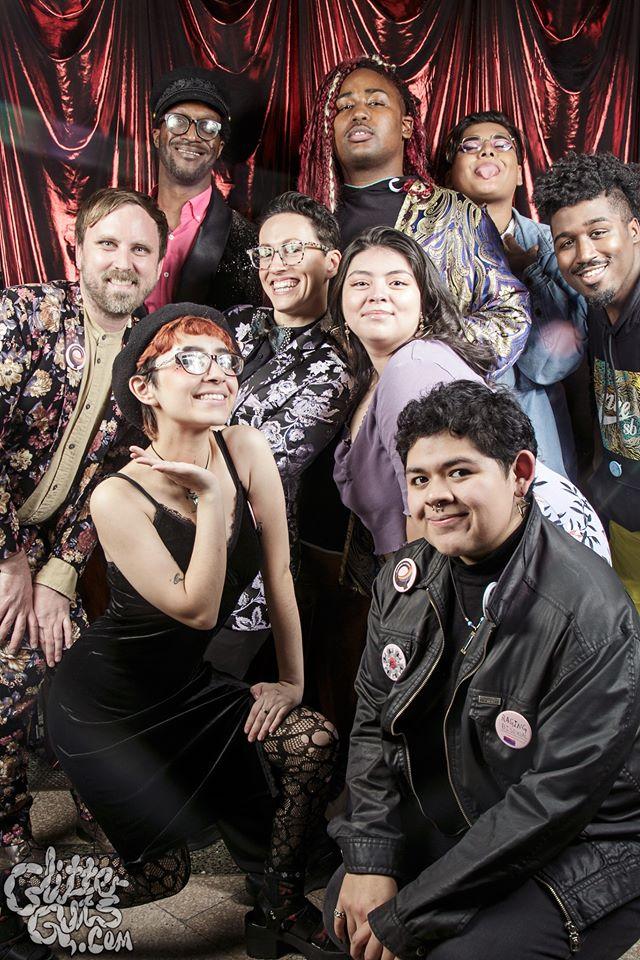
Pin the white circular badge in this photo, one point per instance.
(404, 575)
(513, 729)
(393, 661)
(75, 356)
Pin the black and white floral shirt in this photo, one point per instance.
(562, 503)
(296, 391)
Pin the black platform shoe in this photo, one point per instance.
(271, 933)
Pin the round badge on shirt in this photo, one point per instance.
(75, 356)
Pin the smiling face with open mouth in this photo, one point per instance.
(189, 399)
(463, 501)
(490, 175)
(118, 263)
(297, 291)
(187, 157)
(598, 250)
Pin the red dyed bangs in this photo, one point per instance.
(168, 336)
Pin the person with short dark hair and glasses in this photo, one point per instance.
(206, 260)
(295, 387)
(483, 159)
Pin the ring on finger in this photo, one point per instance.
(266, 710)
(339, 914)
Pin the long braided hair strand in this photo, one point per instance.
(319, 171)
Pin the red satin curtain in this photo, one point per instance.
(75, 76)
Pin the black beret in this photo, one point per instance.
(188, 84)
(144, 331)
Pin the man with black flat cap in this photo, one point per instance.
(206, 260)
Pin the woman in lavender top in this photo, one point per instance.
(403, 335)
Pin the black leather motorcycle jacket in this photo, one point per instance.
(559, 649)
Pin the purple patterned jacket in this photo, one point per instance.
(461, 240)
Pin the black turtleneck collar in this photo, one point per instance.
(377, 204)
(494, 563)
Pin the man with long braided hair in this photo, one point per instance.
(364, 155)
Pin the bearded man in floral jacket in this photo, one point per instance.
(58, 436)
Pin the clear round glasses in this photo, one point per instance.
(498, 141)
(198, 362)
(290, 253)
(179, 123)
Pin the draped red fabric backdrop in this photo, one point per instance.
(75, 77)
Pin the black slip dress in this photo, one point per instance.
(149, 733)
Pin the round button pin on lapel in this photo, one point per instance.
(513, 729)
(615, 468)
(404, 575)
(75, 356)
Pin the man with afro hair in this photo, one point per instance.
(592, 205)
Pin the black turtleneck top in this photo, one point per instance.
(377, 204)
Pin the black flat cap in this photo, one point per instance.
(144, 331)
(188, 84)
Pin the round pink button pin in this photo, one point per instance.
(513, 729)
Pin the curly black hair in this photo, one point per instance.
(490, 419)
(584, 176)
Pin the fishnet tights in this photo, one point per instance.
(154, 880)
(302, 752)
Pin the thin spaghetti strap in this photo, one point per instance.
(231, 467)
(135, 483)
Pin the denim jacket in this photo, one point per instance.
(555, 347)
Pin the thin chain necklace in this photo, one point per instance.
(190, 495)
(473, 627)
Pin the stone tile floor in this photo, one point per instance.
(203, 922)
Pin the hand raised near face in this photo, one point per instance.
(519, 258)
(187, 475)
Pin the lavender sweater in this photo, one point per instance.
(369, 472)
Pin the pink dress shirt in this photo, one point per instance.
(178, 246)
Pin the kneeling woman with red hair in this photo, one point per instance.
(158, 744)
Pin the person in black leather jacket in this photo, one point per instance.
(494, 765)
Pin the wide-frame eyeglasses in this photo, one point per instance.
(290, 253)
(499, 141)
(198, 362)
(179, 123)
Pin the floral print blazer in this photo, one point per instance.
(298, 399)
(41, 330)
